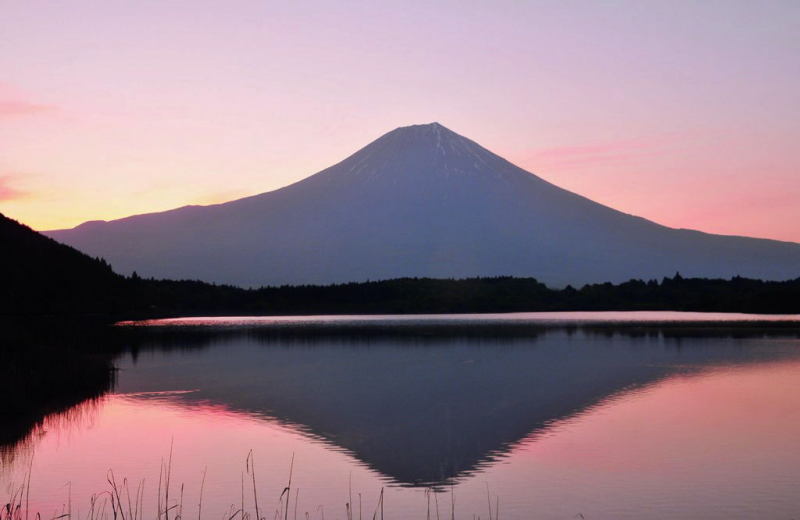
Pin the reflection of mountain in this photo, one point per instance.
(427, 409)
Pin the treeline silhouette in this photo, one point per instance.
(41, 276)
(472, 295)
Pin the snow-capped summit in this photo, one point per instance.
(421, 200)
(418, 151)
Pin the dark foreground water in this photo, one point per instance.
(541, 415)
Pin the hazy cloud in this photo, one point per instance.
(14, 102)
(7, 189)
(9, 108)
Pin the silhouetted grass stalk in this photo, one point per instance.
(125, 506)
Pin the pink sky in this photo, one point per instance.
(682, 112)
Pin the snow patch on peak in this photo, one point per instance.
(433, 124)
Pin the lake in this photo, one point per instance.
(649, 415)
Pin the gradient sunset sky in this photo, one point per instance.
(686, 113)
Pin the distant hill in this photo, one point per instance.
(421, 201)
(39, 275)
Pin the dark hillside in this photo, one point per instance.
(39, 275)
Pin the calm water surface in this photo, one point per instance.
(646, 421)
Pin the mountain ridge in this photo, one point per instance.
(420, 200)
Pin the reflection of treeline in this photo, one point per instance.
(189, 337)
(47, 367)
(40, 276)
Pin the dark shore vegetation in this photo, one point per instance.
(472, 295)
(41, 277)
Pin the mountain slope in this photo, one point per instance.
(39, 275)
(419, 201)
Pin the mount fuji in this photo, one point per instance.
(420, 201)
